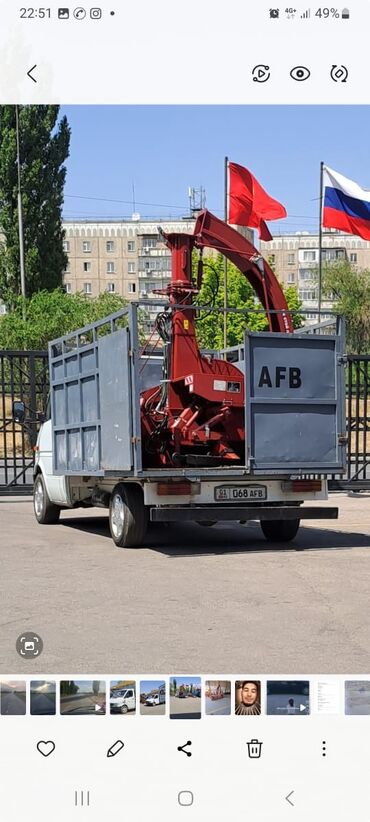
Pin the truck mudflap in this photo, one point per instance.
(218, 513)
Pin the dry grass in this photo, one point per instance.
(11, 434)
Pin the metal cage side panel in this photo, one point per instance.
(115, 402)
(294, 403)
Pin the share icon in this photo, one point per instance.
(182, 748)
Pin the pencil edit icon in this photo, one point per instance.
(115, 748)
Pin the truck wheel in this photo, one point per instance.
(46, 512)
(124, 709)
(128, 518)
(280, 530)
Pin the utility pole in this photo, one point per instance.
(320, 236)
(225, 258)
(20, 212)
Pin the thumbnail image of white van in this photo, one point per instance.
(247, 697)
(153, 697)
(288, 697)
(43, 697)
(82, 697)
(185, 697)
(357, 697)
(122, 699)
(12, 697)
(218, 697)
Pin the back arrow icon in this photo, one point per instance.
(288, 799)
(29, 73)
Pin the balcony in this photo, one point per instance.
(147, 251)
(154, 274)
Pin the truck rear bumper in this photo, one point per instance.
(227, 513)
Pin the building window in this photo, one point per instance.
(68, 288)
(87, 288)
(306, 274)
(68, 267)
(111, 287)
(307, 295)
(86, 246)
(149, 242)
(132, 288)
(110, 245)
(272, 259)
(110, 268)
(65, 246)
(353, 258)
(131, 245)
(309, 256)
(131, 268)
(330, 254)
(291, 277)
(87, 266)
(291, 259)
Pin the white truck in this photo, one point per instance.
(156, 699)
(122, 701)
(89, 448)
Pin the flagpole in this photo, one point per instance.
(226, 186)
(320, 235)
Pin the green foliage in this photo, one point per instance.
(50, 314)
(350, 289)
(44, 147)
(240, 294)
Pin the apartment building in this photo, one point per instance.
(295, 259)
(126, 257)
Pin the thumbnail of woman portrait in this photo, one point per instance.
(247, 697)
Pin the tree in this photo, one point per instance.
(350, 290)
(241, 295)
(50, 314)
(44, 148)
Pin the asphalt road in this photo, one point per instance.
(152, 710)
(192, 600)
(219, 707)
(42, 704)
(188, 707)
(13, 704)
(81, 704)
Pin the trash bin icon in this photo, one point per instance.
(254, 749)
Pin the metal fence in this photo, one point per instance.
(358, 420)
(24, 376)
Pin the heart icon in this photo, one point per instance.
(46, 748)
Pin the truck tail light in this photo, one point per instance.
(167, 489)
(303, 485)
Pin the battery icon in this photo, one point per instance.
(345, 14)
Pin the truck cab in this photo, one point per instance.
(122, 701)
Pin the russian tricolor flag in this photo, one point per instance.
(346, 205)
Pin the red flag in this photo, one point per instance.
(249, 204)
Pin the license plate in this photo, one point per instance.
(236, 493)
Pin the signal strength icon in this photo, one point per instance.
(306, 14)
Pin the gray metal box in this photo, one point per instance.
(294, 403)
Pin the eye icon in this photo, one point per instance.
(300, 73)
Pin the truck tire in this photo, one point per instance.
(280, 530)
(124, 709)
(128, 517)
(46, 512)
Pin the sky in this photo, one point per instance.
(162, 150)
(186, 680)
(147, 685)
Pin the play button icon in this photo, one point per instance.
(303, 708)
(261, 73)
